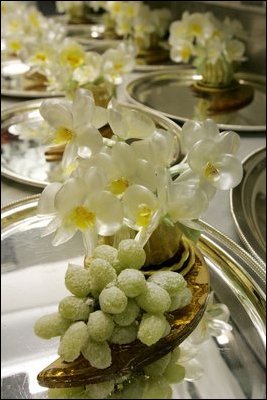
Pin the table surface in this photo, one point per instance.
(219, 213)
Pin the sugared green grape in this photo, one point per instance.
(131, 254)
(101, 273)
(72, 341)
(157, 388)
(112, 300)
(154, 300)
(132, 282)
(167, 329)
(97, 353)
(124, 334)
(74, 308)
(133, 389)
(181, 299)
(174, 372)
(128, 316)
(158, 367)
(151, 328)
(100, 326)
(51, 325)
(100, 390)
(65, 393)
(77, 280)
(108, 253)
(171, 281)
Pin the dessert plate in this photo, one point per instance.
(33, 283)
(16, 83)
(170, 92)
(23, 132)
(248, 204)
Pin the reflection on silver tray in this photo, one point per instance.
(23, 131)
(170, 93)
(33, 284)
(248, 204)
(15, 83)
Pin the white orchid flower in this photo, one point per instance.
(75, 208)
(122, 168)
(115, 64)
(182, 51)
(75, 125)
(193, 131)
(161, 148)
(209, 159)
(129, 123)
(90, 71)
(214, 49)
(142, 211)
(234, 50)
(71, 54)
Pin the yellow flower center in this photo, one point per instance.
(118, 186)
(185, 53)
(118, 66)
(82, 218)
(196, 29)
(210, 171)
(62, 135)
(40, 56)
(144, 215)
(34, 21)
(15, 46)
(74, 57)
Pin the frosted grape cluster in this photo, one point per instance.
(111, 301)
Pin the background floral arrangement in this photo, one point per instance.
(213, 46)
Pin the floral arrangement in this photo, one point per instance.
(133, 203)
(75, 9)
(215, 47)
(69, 66)
(23, 26)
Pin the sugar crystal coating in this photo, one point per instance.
(100, 390)
(51, 325)
(77, 280)
(171, 281)
(97, 353)
(108, 253)
(74, 308)
(151, 328)
(124, 334)
(112, 300)
(131, 254)
(128, 316)
(158, 367)
(132, 282)
(73, 341)
(155, 299)
(101, 273)
(100, 326)
(181, 299)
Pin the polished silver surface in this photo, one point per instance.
(32, 276)
(16, 83)
(248, 204)
(23, 134)
(170, 93)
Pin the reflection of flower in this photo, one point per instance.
(139, 171)
(213, 45)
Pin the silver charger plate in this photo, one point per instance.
(248, 204)
(23, 131)
(14, 82)
(32, 276)
(170, 93)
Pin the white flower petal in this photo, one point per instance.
(90, 240)
(63, 235)
(70, 154)
(100, 117)
(83, 108)
(109, 214)
(46, 203)
(72, 194)
(57, 113)
(89, 141)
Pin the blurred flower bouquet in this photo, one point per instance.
(136, 207)
(215, 47)
(136, 22)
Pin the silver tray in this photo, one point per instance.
(22, 149)
(170, 93)
(32, 276)
(248, 204)
(15, 84)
